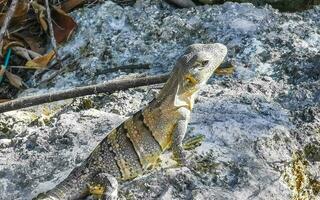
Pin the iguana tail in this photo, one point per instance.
(73, 187)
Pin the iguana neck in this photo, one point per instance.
(172, 97)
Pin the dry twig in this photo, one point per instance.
(53, 40)
(129, 67)
(8, 18)
(82, 91)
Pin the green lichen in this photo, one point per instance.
(193, 142)
(315, 186)
(5, 132)
(85, 50)
(298, 178)
(4, 128)
(128, 196)
(86, 104)
(206, 164)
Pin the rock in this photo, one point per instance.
(4, 143)
(282, 5)
(255, 122)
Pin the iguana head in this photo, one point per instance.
(197, 64)
(192, 70)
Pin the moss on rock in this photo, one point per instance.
(300, 181)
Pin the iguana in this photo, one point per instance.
(133, 148)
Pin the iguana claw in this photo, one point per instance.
(193, 142)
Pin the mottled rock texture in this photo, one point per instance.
(282, 5)
(262, 125)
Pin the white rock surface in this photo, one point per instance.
(262, 125)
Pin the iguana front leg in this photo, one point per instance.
(178, 134)
(103, 187)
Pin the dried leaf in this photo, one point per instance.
(37, 7)
(39, 10)
(13, 41)
(226, 68)
(33, 54)
(30, 41)
(2, 70)
(63, 25)
(42, 21)
(69, 5)
(25, 53)
(22, 52)
(224, 71)
(19, 14)
(14, 80)
(34, 44)
(40, 62)
(8, 44)
(22, 9)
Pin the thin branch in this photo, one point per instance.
(82, 91)
(8, 18)
(53, 39)
(4, 100)
(56, 73)
(129, 67)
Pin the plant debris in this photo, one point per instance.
(25, 29)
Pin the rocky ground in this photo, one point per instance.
(262, 125)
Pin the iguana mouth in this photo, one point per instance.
(191, 79)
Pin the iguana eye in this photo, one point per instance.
(205, 62)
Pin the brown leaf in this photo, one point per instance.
(22, 52)
(22, 9)
(41, 62)
(39, 10)
(19, 14)
(2, 70)
(224, 71)
(7, 44)
(33, 42)
(13, 40)
(69, 5)
(14, 80)
(37, 7)
(63, 25)
(42, 21)
(33, 54)
(25, 53)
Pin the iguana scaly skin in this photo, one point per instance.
(134, 147)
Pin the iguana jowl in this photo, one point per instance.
(134, 147)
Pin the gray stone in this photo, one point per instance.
(261, 124)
